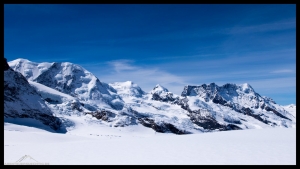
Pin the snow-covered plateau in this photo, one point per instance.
(54, 112)
(92, 144)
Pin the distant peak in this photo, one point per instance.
(247, 85)
(160, 88)
(290, 105)
(247, 88)
(158, 85)
(20, 60)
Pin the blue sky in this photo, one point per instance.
(169, 44)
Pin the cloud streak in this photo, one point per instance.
(275, 26)
(122, 65)
(283, 71)
(145, 77)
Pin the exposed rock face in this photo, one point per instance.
(162, 127)
(205, 120)
(104, 115)
(22, 101)
(6, 66)
(159, 93)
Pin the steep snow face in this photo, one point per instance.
(60, 103)
(127, 89)
(30, 70)
(17, 91)
(67, 108)
(70, 79)
(49, 94)
(22, 101)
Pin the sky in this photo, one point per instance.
(169, 44)
(136, 145)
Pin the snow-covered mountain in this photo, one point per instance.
(240, 101)
(70, 79)
(71, 92)
(21, 100)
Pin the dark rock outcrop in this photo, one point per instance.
(163, 127)
(104, 115)
(167, 98)
(6, 66)
(276, 112)
(205, 121)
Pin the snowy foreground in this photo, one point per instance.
(93, 144)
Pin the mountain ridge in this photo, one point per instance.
(199, 108)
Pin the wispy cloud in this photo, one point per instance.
(283, 71)
(148, 77)
(280, 25)
(145, 77)
(121, 65)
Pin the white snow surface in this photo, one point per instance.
(95, 144)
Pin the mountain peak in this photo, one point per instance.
(21, 60)
(158, 87)
(30, 70)
(247, 88)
